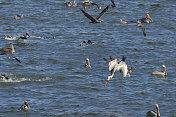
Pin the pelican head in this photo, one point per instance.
(148, 17)
(164, 68)
(157, 109)
(28, 34)
(88, 63)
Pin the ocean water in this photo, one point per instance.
(52, 76)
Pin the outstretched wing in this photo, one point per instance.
(113, 3)
(143, 30)
(103, 12)
(88, 16)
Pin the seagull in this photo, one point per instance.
(115, 65)
(123, 22)
(153, 113)
(142, 26)
(25, 36)
(25, 107)
(113, 3)
(3, 77)
(147, 19)
(10, 50)
(161, 73)
(18, 16)
(97, 20)
(87, 65)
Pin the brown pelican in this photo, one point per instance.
(115, 65)
(142, 26)
(161, 73)
(69, 4)
(74, 4)
(153, 113)
(97, 20)
(25, 107)
(18, 16)
(123, 22)
(10, 50)
(84, 42)
(25, 36)
(87, 63)
(3, 77)
(147, 19)
(113, 3)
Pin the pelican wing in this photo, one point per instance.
(123, 68)
(130, 70)
(113, 2)
(88, 16)
(113, 64)
(103, 12)
(143, 30)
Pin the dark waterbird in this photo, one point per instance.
(147, 19)
(84, 42)
(25, 107)
(153, 113)
(97, 20)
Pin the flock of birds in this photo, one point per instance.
(115, 64)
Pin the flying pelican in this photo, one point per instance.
(147, 19)
(84, 42)
(87, 65)
(18, 16)
(69, 4)
(25, 36)
(142, 26)
(123, 22)
(162, 73)
(153, 113)
(3, 77)
(10, 50)
(97, 20)
(113, 3)
(115, 65)
(25, 107)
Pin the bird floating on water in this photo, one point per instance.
(161, 73)
(142, 26)
(152, 113)
(10, 50)
(84, 42)
(25, 107)
(25, 36)
(115, 65)
(95, 20)
(87, 65)
(18, 16)
(71, 4)
(123, 22)
(147, 19)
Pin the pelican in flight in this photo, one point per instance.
(10, 50)
(25, 107)
(25, 36)
(97, 20)
(87, 65)
(161, 73)
(142, 26)
(147, 19)
(153, 113)
(3, 77)
(115, 65)
(84, 42)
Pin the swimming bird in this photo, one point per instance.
(116, 65)
(153, 113)
(161, 73)
(3, 77)
(142, 26)
(69, 4)
(10, 50)
(113, 3)
(84, 42)
(87, 65)
(25, 36)
(147, 19)
(18, 16)
(123, 22)
(25, 107)
(97, 20)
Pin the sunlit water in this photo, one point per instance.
(52, 76)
